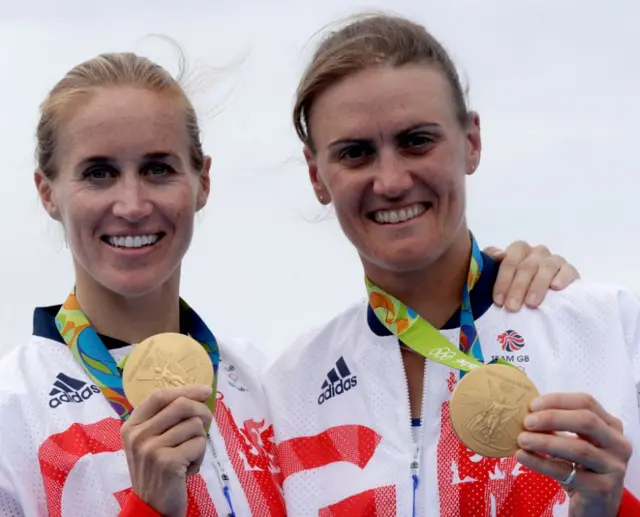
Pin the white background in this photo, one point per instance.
(556, 84)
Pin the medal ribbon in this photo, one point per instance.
(418, 334)
(98, 363)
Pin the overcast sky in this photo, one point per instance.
(556, 85)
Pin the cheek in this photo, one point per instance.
(346, 190)
(181, 206)
(455, 189)
(446, 171)
(453, 209)
(348, 209)
(458, 189)
(347, 202)
(448, 184)
(77, 215)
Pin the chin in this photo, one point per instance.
(406, 261)
(410, 255)
(405, 264)
(132, 285)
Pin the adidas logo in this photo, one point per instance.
(66, 389)
(339, 380)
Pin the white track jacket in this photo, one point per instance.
(340, 407)
(60, 449)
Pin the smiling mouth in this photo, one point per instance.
(401, 215)
(132, 241)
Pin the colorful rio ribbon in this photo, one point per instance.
(96, 360)
(418, 334)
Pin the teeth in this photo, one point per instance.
(133, 241)
(399, 216)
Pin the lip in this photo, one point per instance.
(426, 204)
(134, 252)
(132, 234)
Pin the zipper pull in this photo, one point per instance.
(415, 471)
(223, 478)
(415, 465)
(226, 489)
(227, 496)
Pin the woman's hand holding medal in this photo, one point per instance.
(165, 442)
(590, 463)
(168, 379)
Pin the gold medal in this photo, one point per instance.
(165, 361)
(488, 407)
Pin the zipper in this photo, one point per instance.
(415, 471)
(223, 478)
(414, 467)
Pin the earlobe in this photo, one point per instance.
(204, 186)
(45, 191)
(474, 143)
(322, 192)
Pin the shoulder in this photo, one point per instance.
(321, 341)
(592, 299)
(242, 352)
(587, 314)
(239, 383)
(27, 376)
(23, 365)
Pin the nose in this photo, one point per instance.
(132, 202)
(393, 178)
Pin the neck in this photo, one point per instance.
(130, 319)
(434, 292)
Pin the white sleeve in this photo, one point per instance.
(9, 505)
(17, 497)
(253, 356)
(629, 307)
(630, 316)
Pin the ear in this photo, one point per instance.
(45, 191)
(474, 142)
(321, 190)
(204, 186)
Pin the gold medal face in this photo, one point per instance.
(488, 407)
(165, 361)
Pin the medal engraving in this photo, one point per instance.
(488, 407)
(165, 361)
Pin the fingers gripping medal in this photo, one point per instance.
(488, 408)
(165, 361)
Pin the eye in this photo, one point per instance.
(356, 153)
(99, 172)
(416, 141)
(158, 169)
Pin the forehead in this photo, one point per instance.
(122, 121)
(383, 99)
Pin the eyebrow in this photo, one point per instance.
(431, 126)
(158, 155)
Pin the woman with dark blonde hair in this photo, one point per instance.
(429, 399)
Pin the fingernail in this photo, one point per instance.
(524, 439)
(499, 299)
(532, 299)
(512, 304)
(536, 404)
(530, 421)
(206, 390)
